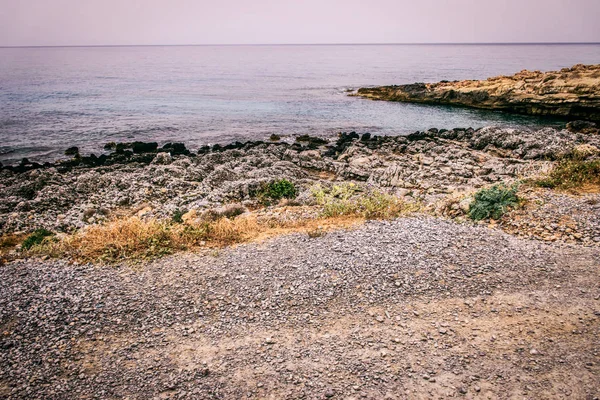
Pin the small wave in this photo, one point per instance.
(10, 122)
(65, 113)
(141, 131)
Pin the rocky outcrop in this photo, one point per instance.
(423, 166)
(572, 93)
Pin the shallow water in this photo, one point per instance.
(53, 98)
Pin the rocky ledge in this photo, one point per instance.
(572, 93)
(424, 167)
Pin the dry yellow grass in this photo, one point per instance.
(134, 239)
(8, 243)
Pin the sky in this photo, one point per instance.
(153, 22)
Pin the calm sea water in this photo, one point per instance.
(52, 98)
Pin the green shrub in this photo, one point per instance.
(572, 174)
(36, 238)
(178, 216)
(277, 190)
(493, 202)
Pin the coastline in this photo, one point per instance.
(434, 169)
(571, 93)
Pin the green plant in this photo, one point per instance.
(37, 237)
(572, 173)
(493, 202)
(277, 190)
(178, 216)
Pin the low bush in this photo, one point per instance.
(37, 237)
(178, 216)
(350, 199)
(572, 174)
(277, 190)
(493, 202)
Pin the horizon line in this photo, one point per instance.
(302, 44)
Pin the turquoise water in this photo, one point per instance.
(53, 98)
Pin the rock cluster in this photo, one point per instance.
(572, 93)
(424, 166)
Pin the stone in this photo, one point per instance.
(162, 158)
(72, 151)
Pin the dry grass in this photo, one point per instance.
(573, 175)
(135, 239)
(351, 199)
(8, 243)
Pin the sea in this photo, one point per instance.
(52, 98)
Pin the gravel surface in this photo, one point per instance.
(412, 308)
(554, 216)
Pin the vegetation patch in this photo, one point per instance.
(178, 216)
(35, 238)
(351, 199)
(276, 190)
(135, 239)
(8, 244)
(572, 174)
(493, 202)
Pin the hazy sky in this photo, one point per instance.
(97, 22)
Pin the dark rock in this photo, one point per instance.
(204, 149)
(233, 146)
(72, 151)
(120, 147)
(144, 147)
(176, 148)
(312, 140)
(90, 161)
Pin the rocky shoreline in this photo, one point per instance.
(425, 167)
(572, 93)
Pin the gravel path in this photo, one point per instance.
(412, 308)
